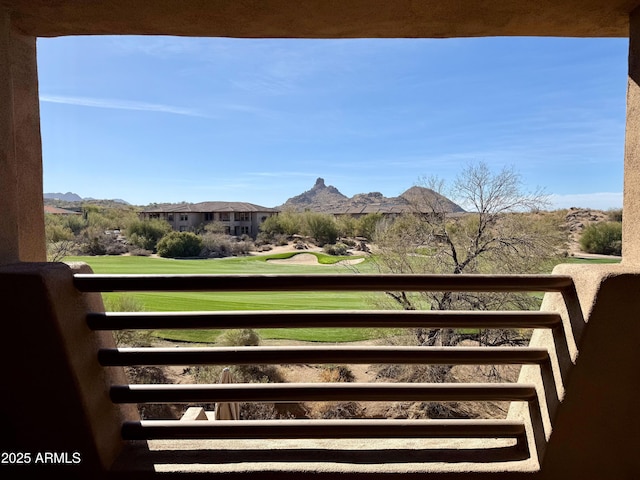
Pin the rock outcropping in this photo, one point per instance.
(328, 199)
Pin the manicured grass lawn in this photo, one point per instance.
(327, 335)
(252, 264)
(203, 301)
(590, 261)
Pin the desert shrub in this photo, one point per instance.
(146, 233)
(56, 232)
(367, 225)
(146, 374)
(337, 410)
(336, 373)
(240, 373)
(179, 244)
(347, 226)
(259, 411)
(281, 240)
(151, 375)
(94, 242)
(215, 245)
(124, 302)
(321, 226)
(285, 223)
(215, 227)
(246, 337)
(116, 248)
(270, 227)
(75, 223)
(614, 215)
(604, 238)
(349, 242)
(336, 249)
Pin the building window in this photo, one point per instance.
(170, 217)
(154, 215)
(208, 217)
(183, 228)
(242, 216)
(184, 217)
(225, 217)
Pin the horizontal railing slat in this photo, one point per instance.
(332, 282)
(302, 392)
(322, 319)
(281, 429)
(319, 355)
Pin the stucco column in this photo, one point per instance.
(631, 202)
(21, 203)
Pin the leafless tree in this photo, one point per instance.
(503, 231)
(58, 250)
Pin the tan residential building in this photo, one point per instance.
(238, 218)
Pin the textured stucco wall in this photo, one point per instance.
(325, 18)
(55, 395)
(631, 202)
(21, 203)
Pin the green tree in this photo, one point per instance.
(180, 244)
(75, 223)
(321, 226)
(604, 238)
(347, 226)
(285, 223)
(146, 233)
(367, 225)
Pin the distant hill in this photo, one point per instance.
(74, 197)
(114, 200)
(328, 199)
(66, 197)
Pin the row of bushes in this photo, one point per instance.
(324, 228)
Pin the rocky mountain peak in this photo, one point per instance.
(323, 198)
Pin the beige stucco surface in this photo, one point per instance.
(324, 18)
(21, 204)
(592, 424)
(56, 395)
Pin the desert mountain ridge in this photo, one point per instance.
(74, 197)
(328, 199)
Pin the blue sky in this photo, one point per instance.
(170, 119)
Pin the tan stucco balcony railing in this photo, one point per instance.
(569, 410)
(520, 448)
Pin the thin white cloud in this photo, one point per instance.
(597, 200)
(157, 46)
(119, 105)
